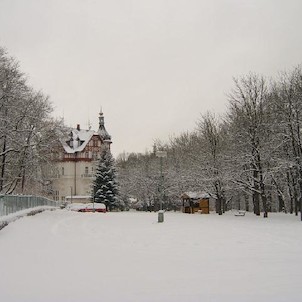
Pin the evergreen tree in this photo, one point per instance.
(105, 186)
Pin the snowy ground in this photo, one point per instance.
(68, 256)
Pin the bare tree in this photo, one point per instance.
(247, 117)
(287, 102)
(27, 130)
(213, 149)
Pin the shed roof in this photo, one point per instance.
(195, 195)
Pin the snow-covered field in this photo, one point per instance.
(69, 256)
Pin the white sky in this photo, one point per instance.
(153, 65)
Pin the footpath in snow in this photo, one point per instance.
(69, 256)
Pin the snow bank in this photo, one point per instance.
(5, 220)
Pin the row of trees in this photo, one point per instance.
(250, 157)
(27, 132)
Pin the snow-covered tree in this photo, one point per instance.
(213, 147)
(105, 186)
(287, 103)
(138, 178)
(27, 132)
(251, 155)
(251, 133)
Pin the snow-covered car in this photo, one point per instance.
(75, 206)
(96, 207)
(63, 205)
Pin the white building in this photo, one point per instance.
(77, 162)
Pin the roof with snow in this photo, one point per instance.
(79, 138)
(195, 195)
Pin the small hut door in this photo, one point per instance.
(204, 206)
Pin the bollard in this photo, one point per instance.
(161, 216)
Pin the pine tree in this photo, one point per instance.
(105, 186)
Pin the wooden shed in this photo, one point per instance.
(193, 202)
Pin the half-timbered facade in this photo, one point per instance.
(77, 162)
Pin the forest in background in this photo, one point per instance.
(249, 158)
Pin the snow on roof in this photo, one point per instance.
(195, 195)
(102, 132)
(78, 140)
(78, 197)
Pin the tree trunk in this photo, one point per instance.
(290, 191)
(300, 187)
(256, 195)
(263, 196)
(219, 211)
(219, 199)
(261, 184)
(294, 177)
(264, 202)
(247, 205)
(3, 164)
(281, 204)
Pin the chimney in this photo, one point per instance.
(78, 127)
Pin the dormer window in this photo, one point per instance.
(79, 141)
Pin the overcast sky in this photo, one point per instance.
(154, 66)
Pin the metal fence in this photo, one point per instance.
(14, 203)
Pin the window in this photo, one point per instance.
(62, 170)
(56, 197)
(86, 170)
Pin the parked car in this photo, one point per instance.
(63, 205)
(75, 206)
(90, 207)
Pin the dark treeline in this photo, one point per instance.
(249, 158)
(27, 132)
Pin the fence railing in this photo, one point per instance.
(14, 203)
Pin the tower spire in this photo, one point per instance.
(101, 118)
(102, 130)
